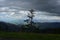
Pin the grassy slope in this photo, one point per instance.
(30, 36)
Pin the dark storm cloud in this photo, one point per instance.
(52, 6)
(47, 5)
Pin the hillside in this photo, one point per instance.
(48, 25)
(8, 27)
(39, 28)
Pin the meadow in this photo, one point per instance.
(29, 36)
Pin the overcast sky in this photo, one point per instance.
(45, 10)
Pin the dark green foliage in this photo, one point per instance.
(30, 27)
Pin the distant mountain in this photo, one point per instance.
(43, 26)
(8, 27)
(51, 27)
(48, 25)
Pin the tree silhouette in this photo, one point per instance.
(30, 26)
(30, 23)
(30, 16)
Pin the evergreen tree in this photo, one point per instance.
(30, 23)
(30, 16)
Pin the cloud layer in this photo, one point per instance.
(46, 10)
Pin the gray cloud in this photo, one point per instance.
(52, 6)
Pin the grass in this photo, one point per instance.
(29, 36)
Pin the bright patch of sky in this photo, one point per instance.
(9, 15)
